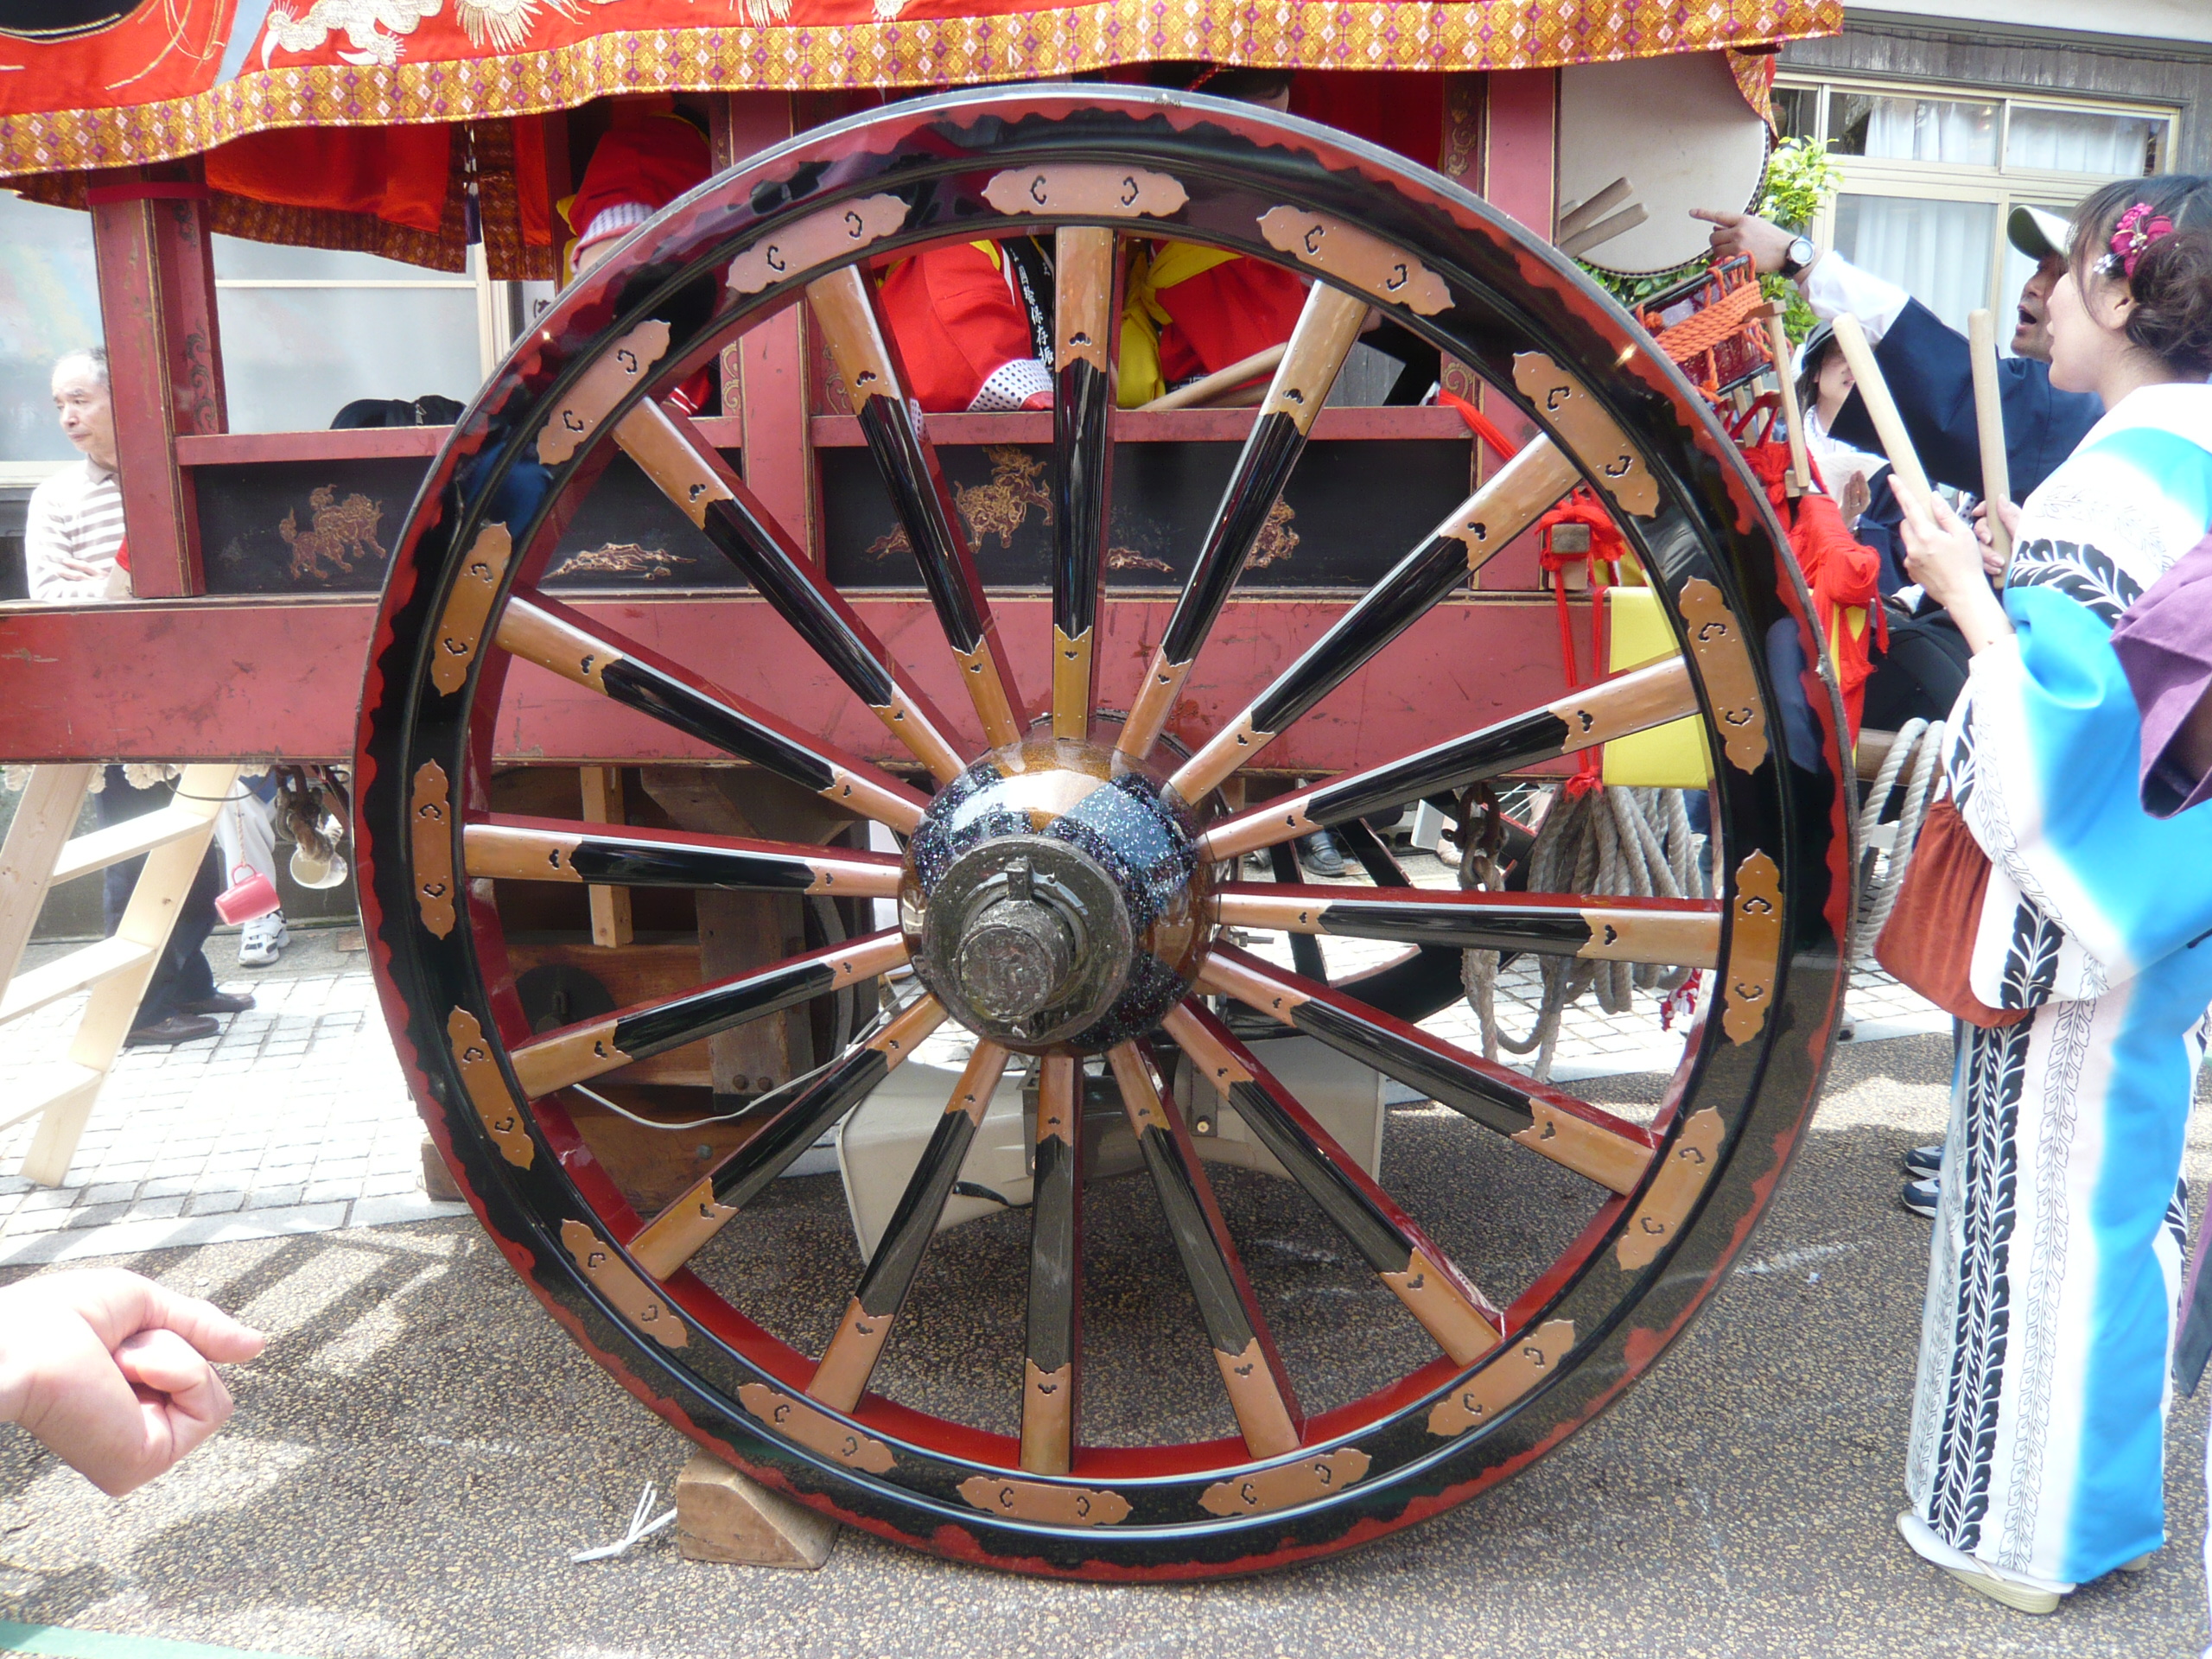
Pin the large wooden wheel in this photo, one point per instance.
(1066, 879)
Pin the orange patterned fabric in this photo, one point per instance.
(1754, 72)
(183, 77)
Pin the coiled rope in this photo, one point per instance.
(1606, 842)
(1921, 742)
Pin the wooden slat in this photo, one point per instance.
(38, 836)
(59, 1085)
(65, 976)
(155, 901)
(102, 848)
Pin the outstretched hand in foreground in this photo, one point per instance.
(113, 1374)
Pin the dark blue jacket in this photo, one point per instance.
(1931, 377)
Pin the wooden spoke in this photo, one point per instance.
(1597, 714)
(1305, 949)
(1514, 496)
(622, 856)
(1682, 932)
(674, 1236)
(1327, 329)
(1573, 1132)
(866, 354)
(670, 452)
(556, 639)
(573, 1053)
(842, 1378)
(1462, 1320)
(1087, 312)
(1048, 1365)
(1259, 1390)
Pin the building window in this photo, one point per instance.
(305, 331)
(49, 306)
(1930, 178)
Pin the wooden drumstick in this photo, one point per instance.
(1218, 384)
(1989, 415)
(1793, 418)
(1889, 425)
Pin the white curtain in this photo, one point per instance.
(1937, 251)
(1924, 130)
(2079, 141)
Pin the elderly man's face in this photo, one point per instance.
(87, 417)
(2032, 337)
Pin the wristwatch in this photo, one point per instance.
(1800, 254)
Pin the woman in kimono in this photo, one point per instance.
(2036, 1455)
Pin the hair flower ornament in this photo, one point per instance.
(2138, 229)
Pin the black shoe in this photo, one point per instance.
(1920, 1198)
(1318, 853)
(1924, 1163)
(220, 1002)
(177, 1029)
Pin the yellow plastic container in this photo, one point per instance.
(1673, 756)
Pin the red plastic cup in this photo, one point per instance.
(244, 899)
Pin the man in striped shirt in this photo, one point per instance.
(74, 527)
(71, 537)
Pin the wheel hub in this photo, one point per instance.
(1050, 902)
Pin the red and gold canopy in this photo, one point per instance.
(357, 123)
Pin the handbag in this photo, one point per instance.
(1928, 943)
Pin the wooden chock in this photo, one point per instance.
(723, 1515)
(438, 1183)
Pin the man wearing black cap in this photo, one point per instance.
(1927, 365)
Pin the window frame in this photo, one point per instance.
(495, 304)
(2004, 185)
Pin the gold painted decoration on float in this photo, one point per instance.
(817, 240)
(615, 1279)
(1526, 1360)
(430, 821)
(468, 607)
(496, 1106)
(816, 1430)
(1689, 1164)
(1724, 663)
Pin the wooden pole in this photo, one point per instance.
(152, 253)
(1220, 383)
(610, 906)
(1989, 415)
(1793, 418)
(1889, 425)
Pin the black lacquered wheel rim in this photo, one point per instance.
(1573, 1339)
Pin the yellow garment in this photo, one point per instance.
(1153, 270)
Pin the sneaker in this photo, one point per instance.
(1924, 1163)
(262, 938)
(1318, 853)
(2018, 1591)
(1922, 1197)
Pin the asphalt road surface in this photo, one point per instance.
(421, 1449)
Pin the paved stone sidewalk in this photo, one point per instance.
(294, 1120)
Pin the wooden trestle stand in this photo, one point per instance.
(40, 852)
